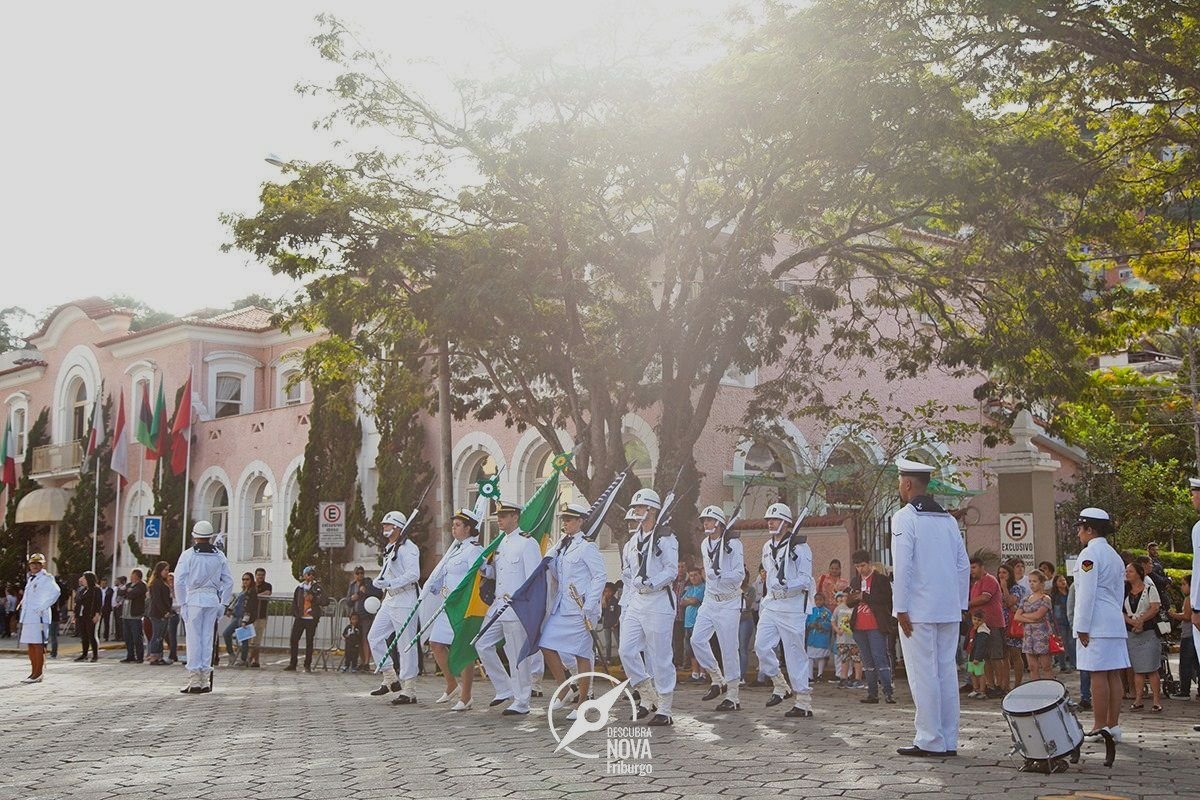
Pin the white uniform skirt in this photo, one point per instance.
(442, 632)
(567, 635)
(35, 633)
(1102, 654)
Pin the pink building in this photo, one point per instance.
(251, 429)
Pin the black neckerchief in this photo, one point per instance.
(645, 543)
(714, 553)
(926, 505)
(779, 551)
(204, 547)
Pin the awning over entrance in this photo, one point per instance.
(43, 505)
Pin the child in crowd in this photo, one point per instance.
(691, 599)
(352, 644)
(819, 640)
(846, 659)
(1189, 665)
(977, 648)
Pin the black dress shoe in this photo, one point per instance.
(918, 752)
(536, 693)
(871, 700)
(125, 661)
(661, 720)
(512, 712)
(891, 701)
(205, 689)
(714, 692)
(728, 705)
(383, 689)
(404, 700)
(950, 753)
(292, 668)
(1085, 705)
(82, 657)
(498, 701)
(775, 699)
(798, 712)
(642, 712)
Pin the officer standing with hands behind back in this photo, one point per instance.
(929, 597)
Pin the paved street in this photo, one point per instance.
(124, 731)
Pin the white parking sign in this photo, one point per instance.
(331, 525)
(152, 536)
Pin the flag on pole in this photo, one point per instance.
(96, 435)
(160, 425)
(599, 509)
(8, 451)
(529, 604)
(120, 448)
(181, 426)
(145, 420)
(465, 609)
(538, 516)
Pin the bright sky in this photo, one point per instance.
(130, 126)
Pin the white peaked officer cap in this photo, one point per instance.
(1093, 515)
(202, 530)
(1194, 484)
(467, 516)
(576, 510)
(713, 513)
(394, 518)
(908, 467)
(779, 511)
(646, 497)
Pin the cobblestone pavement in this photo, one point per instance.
(109, 730)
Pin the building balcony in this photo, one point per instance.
(57, 459)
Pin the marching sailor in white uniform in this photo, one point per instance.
(579, 577)
(398, 580)
(1101, 648)
(635, 667)
(459, 558)
(783, 613)
(203, 587)
(720, 613)
(41, 593)
(929, 596)
(517, 556)
(650, 563)
(1194, 486)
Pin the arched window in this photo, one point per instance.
(79, 408)
(637, 455)
(260, 519)
(484, 467)
(140, 387)
(847, 479)
(291, 388)
(764, 466)
(19, 426)
(218, 508)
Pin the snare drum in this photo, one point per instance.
(1043, 726)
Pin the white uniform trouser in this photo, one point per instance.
(650, 631)
(723, 620)
(387, 621)
(633, 661)
(201, 622)
(519, 684)
(786, 627)
(933, 678)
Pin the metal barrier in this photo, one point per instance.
(278, 633)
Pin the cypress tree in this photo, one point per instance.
(75, 531)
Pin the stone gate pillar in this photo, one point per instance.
(1026, 497)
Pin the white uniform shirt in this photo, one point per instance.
(517, 556)
(932, 572)
(580, 565)
(400, 573)
(1195, 567)
(723, 581)
(41, 593)
(1100, 591)
(789, 572)
(652, 593)
(203, 578)
(455, 565)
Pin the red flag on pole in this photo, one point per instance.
(181, 427)
(120, 449)
(96, 436)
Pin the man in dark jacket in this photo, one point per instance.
(307, 601)
(106, 607)
(871, 620)
(135, 609)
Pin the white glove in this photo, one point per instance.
(379, 583)
(592, 613)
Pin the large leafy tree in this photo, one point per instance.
(599, 233)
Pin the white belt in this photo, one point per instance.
(785, 595)
(721, 598)
(398, 592)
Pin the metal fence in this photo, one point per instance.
(875, 536)
(278, 633)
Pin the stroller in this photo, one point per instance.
(1170, 684)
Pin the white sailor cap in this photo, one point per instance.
(1092, 515)
(646, 497)
(467, 516)
(575, 511)
(1194, 484)
(913, 468)
(394, 518)
(505, 507)
(779, 511)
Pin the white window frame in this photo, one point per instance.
(265, 507)
(218, 515)
(18, 404)
(284, 375)
(233, 363)
(241, 396)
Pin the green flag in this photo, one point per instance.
(465, 609)
(538, 517)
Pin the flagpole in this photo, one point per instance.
(96, 512)
(187, 469)
(116, 533)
